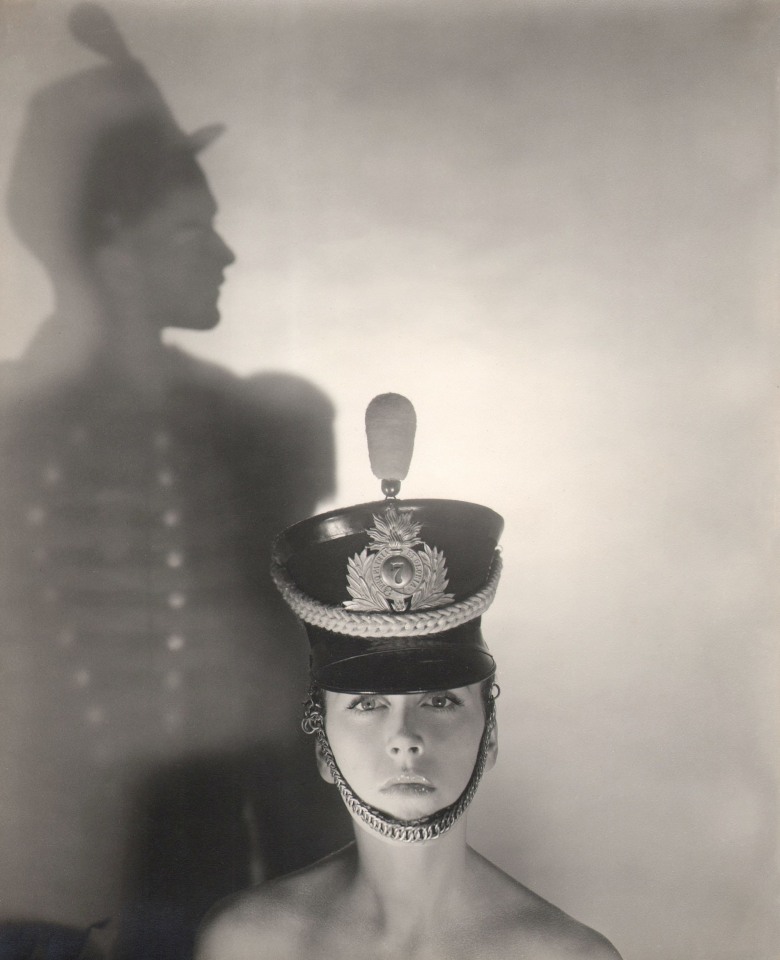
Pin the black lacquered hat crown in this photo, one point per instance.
(392, 592)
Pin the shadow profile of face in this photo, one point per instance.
(407, 755)
(102, 166)
(166, 268)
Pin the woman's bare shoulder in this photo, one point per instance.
(273, 919)
(521, 917)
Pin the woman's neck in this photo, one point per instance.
(410, 887)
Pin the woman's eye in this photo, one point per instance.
(443, 701)
(363, 704)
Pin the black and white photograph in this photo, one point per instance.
(389, 479)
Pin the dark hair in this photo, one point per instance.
(130, 169)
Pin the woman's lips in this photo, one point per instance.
(406, 784)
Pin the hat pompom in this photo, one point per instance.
(391, 423)
(94, 27)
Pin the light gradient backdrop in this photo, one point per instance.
(552, 226)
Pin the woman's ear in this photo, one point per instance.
(322, 764)
(492, 751)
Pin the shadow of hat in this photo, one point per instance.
(65, 120)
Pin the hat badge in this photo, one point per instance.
(397, 571)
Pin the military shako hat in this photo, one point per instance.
(392, 592)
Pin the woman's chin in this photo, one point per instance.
(409, 805)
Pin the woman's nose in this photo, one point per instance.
(404, 742)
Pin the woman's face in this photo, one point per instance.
(410, 754)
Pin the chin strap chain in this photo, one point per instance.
(407, 831)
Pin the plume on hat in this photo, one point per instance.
(94, 28)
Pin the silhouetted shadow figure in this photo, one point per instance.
(150, 672)
(199, 819)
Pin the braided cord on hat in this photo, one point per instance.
(407, 831)
(416, 623)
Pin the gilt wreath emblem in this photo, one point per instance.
(397, 571)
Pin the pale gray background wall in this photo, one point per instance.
(553, 227)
